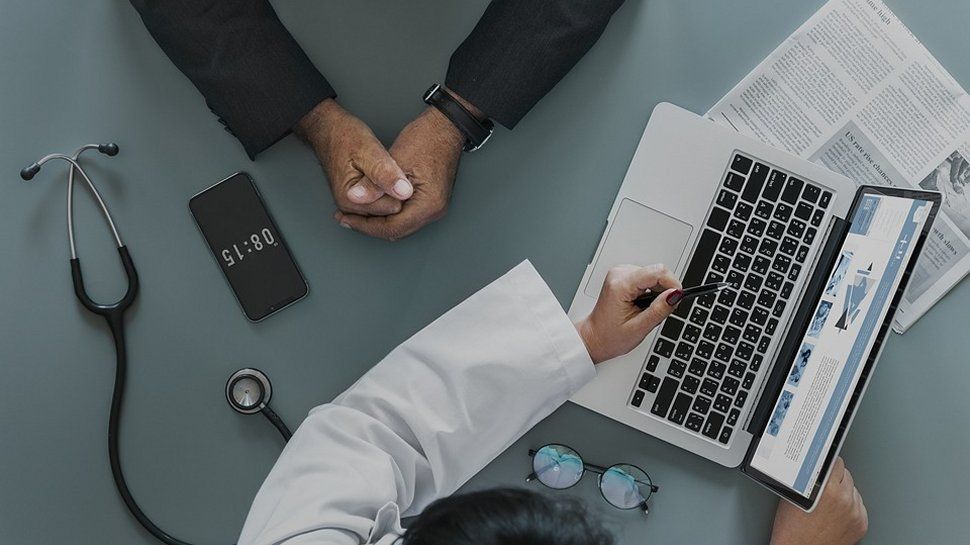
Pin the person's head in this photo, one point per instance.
(505, 516)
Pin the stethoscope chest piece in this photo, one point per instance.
(248, 391)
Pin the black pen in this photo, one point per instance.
(688, 293)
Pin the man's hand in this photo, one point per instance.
(616, 325)
(840, 518)
(363, 177)
(428, 149)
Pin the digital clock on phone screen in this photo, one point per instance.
(248, 246)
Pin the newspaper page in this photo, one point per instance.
(854, 90)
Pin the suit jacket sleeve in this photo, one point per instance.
(520, 49)
(250, 70)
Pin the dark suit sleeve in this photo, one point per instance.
(250, 70)
(520, 49)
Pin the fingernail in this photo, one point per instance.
(345, 225)
(403, 188)
(357, 192)
(675, 297)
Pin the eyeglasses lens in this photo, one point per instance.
(625, 486)
(557, 466)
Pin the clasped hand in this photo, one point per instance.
(384, 193)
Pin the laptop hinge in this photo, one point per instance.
(799, 325)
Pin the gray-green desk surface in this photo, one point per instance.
(71, 73)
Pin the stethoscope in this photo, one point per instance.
(248, 390)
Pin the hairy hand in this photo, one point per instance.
(428, 150)
(363, 177)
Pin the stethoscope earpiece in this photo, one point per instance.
(248, 390)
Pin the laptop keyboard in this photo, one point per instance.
(704, 364)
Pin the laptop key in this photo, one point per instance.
(737, 368)
(649, 382)
(753, 282)
(712, 332)
(792, 190)
(732, 417)
(794, 271)
(713, 277)
(796, 228)
(684, 350)
(817, 217)
(698, 316)
(779, 309)
(756, 180)
(730, 386)
(748, 381)
(731, 334)
(756, 362)
(704, 350)
(719, 315)
(734, 182)
(776, 182)
(672, 328)
(727, 199)
(652, 362)
(763, 209)
(728, 246)
(691, 333)
(776, 230)
(702, 404)
(678, 411)
(766, 298)
(739, 317)
(724, 351)
(771, 326)
(712, 427)
(789, 246)
(709, 387)
(825, 199)
(781, 263)
(741, 261)
(718, 219)
(690, 384)
(774, 281)
(722, 403)
(746, 299)
(697, 367)
(787, 289)
(743, 211)
(694, 422)
(661, 403)
(744, 350)
(803, 211)
(759, 315)
(768, 247)
(811, 193)
(783, 212)
(761, 264)
(637, 398)
(676, 368)
(749, 244)
(736, 278)
(764, 344)
(735, 229)
(802, 254)
(725, 435)
(721, 264)
(727, 296)
(664, 347)
(741, 164)
(752, 333)
(810, 235)
(703, 254)
(757, 227)
(716, 370)
(741, 399)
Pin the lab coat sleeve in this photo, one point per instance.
(423, 421)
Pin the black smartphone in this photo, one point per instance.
(248, 246)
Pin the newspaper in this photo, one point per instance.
(854, 90)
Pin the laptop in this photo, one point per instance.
(765, 376)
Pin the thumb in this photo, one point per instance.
(381, 169)
(662, 307)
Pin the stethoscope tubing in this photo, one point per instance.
(114, 315)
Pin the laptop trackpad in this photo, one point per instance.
(639, 236)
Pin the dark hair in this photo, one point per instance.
(505, 516)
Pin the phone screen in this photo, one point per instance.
(248, 246)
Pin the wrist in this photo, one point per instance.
(312, 126)
(585, 330)
(444, 128)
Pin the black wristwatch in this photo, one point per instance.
(476, 132)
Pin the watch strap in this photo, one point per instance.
(476, 132)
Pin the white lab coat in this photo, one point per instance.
(423, 421)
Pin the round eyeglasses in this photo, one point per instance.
(624, 486)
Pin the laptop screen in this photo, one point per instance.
(850, 318)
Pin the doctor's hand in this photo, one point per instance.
(840, 518)
(616, 326)
(428, 149)
(363, 177)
